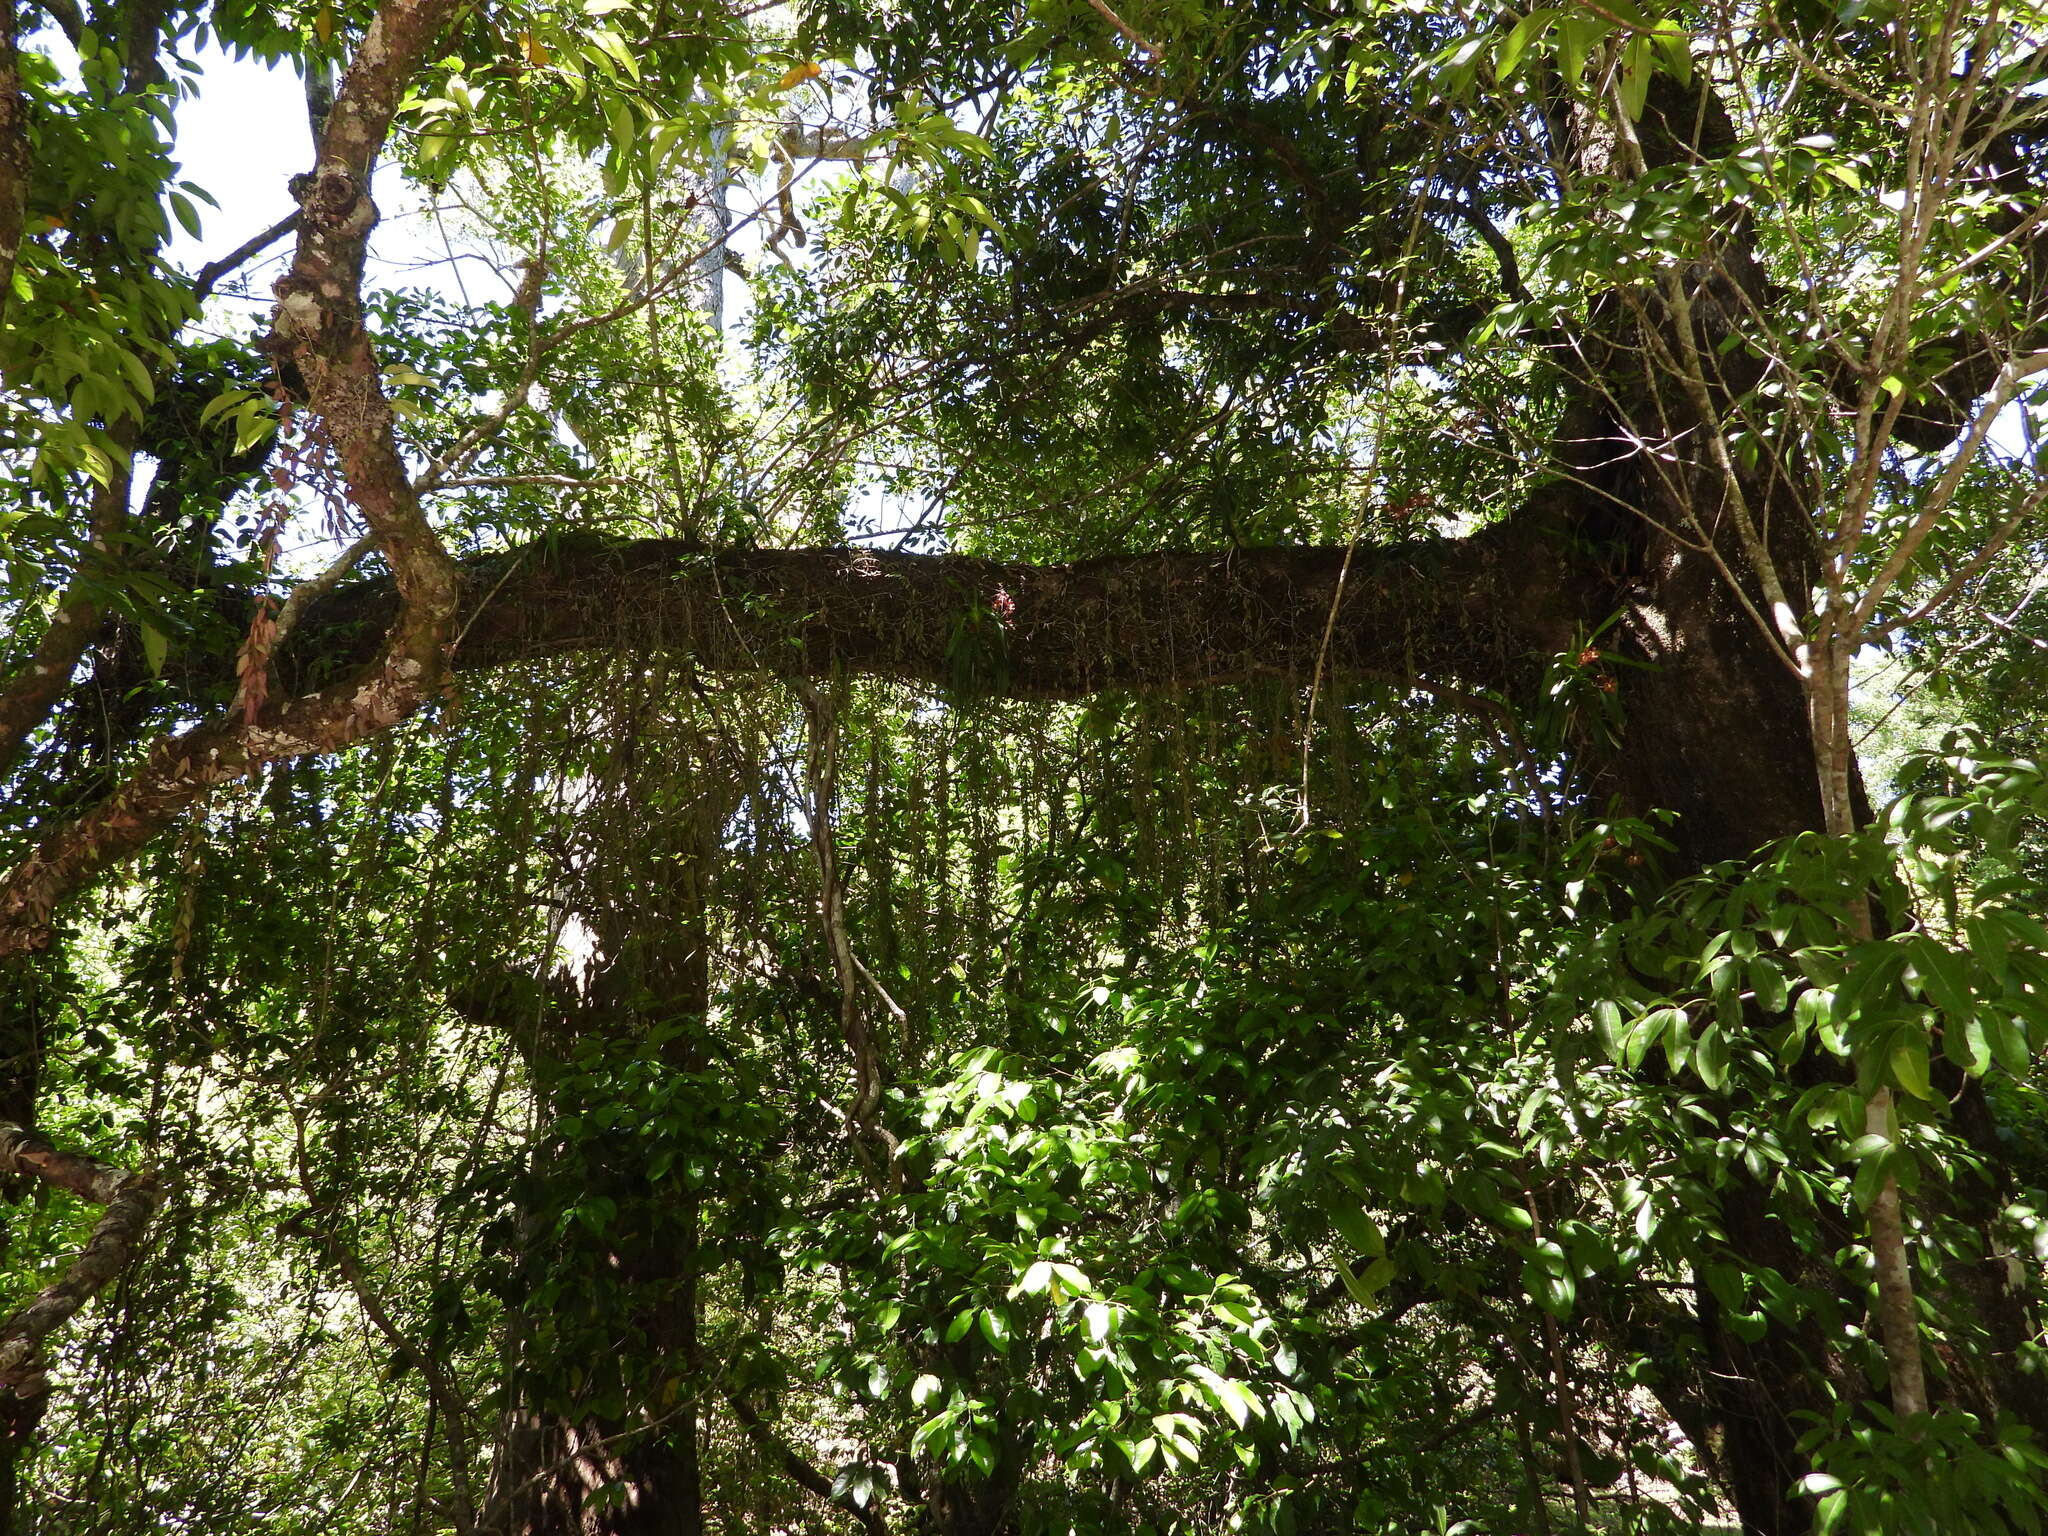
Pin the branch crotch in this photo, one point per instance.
(131, 1200)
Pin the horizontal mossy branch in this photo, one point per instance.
(1482, 611)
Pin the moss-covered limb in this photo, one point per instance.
(1474, 610)
(1483, 611)
(131, 1200)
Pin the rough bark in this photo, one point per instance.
(15, 168)
(1482, 611)
(632, 1469)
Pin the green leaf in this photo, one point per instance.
(1942, 975)
(1139, 1453)
(1035, 1280)
(1225, 1394)
(1677, 1039)
(2009, 1043)
(1871, 987)
(1358, 1229)
(1768, 983)
(1710, 1056)
(1523, 33)
(1909, 1068)
(1577, 32)
(1366, 1287)
(995, 1327)
(1607, 1027)
(187, 215)
(1966, 1044)
(1648, 1029)
(1637, 62)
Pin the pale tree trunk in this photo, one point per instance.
(1897, 1312)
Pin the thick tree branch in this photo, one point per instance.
(69, 18)
(130, 1198)
(1489, 232)
(1480, 610)
(1483, 611)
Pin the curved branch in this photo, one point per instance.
(321, 342)
(131, 1200)
(1495, 241)
(796, 1468)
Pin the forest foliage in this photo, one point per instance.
(1053, 767)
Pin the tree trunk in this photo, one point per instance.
(624, 1335)
(605, 1440)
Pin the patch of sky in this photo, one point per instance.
(243, 133)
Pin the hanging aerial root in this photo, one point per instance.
(130, 1198)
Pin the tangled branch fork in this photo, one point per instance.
(131, 1199)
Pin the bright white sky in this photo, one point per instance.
(243, 138)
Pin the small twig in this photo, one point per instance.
(311, 590)
(552, 482)
(1315, 686)
(214, 271)
(525, 301)
(1965, 573)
